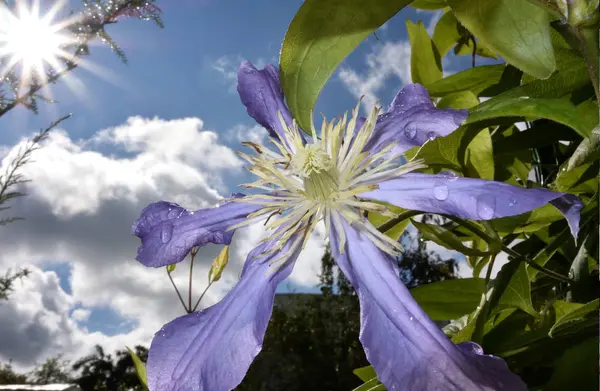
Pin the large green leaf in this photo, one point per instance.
(575, 318)
(582, 179)
(429, 4)
(577, 369)
(446, 33)
(445, 238)
(528, 222)
(425, 63)
(319, 37)
(518, 292)
(458, 100)
(479, 156)
(559, 110)
(449, 299)
(475, 80)
(468, 150)
(516, 29)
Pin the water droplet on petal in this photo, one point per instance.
(440, 192)
(431, 136)
(486, 206)
(166, 332)
(411, 318)
(173, 213)
(166, 233)
(513, 202)
(449, 175)
(410, 132)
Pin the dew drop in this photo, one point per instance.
(166, 233)
(513, 202)
(449, 175)
(410, 132)
(486, 205)
(173, 213)
(431, 136)
(411, 318)
(440, 192)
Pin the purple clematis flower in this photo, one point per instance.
(335, 178)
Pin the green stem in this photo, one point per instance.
(398, 219)
(201, 296)
(471, 227)
(177, 291)
(193, 257)
(488, 274)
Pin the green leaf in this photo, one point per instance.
(449, 299)
(444, 238)
(446, 33)
(171, 268)
(517, 293)
(516, 29)
(574, 317)
(479, 156)
(397, 229)
(582, 179)
(528, 222)
(140, 367)
(458, 100)
(475, 80)
(429, 4)
(365, 373)
(576, 369)
(465, 150)
(465, 48)
(319, 37)
(218, 265)
(371, 385)
(425, 63)
(558, 110)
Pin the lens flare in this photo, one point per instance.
(32, 43)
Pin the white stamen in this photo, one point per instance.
(321, 181)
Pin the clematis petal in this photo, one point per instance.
(261, 93)
(168, 231)
(412, 119)
(471, 198)
(212, 350)
(408, 350)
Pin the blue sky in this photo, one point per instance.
(186, 70)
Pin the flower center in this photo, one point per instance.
(314, 165)
(321, 181)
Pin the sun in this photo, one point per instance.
(30, 42)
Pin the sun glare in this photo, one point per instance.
(30, 41)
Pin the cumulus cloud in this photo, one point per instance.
(82, 200)
(386, 60)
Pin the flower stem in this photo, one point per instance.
(177, 291)
(201, 296)
(193, 257)
(471, 227)
(398, 219)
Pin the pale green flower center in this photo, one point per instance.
(321, 181)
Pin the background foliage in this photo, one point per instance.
(533, 122)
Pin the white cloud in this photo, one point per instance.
(79, 210)
(81, 314)
(228, 66)
(389, 59)
(255, 133)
